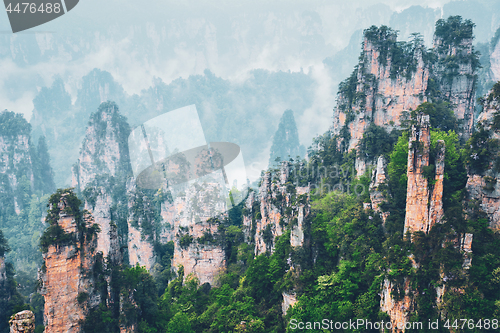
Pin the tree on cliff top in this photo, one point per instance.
(286, 140)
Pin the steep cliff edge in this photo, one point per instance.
(393, 78)
(484, 172)
(101, 173)
(424, 206)
(280, 205)
(68, 247)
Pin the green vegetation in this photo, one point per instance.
(441, 115)
(376, 141)
(453, 51)
(453, 30)
(66, 203)
(402, 55)
(11, 300)
(13, 124)
(348, 250)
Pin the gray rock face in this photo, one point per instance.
(22, 322)
(102, 166)
(280, 203)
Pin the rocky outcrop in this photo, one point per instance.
(289, 299)
(3, 272)
(103, 166)
(375, 92)
(495, 63)
(484, 187)
(140, 223)
(198, 237)
(455, 72)
(104, 149)
(424, 206)
(66, 284)
(393, 78)
(22, 322)
(376, 195)
(466, 249)
(281, 204)
(399, 310)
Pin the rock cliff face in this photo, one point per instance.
(289, 299)
(104, 149)
(484, 187)
(3, 273)
(393, 78)
(22, 322)
(66, 284)
(456, 84)
(198, 238)
(424, 207)
(279, 204)
(377, 92)
(495, 63)
(376, 195)
(141, 227)
(399, 310)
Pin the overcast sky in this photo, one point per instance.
(139, 40)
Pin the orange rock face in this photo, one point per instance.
(387, 96)
(383, 94)
(477, 187)
(376, 196)
(399, 310)
(272, 217)
(64, 280)
(424, 208)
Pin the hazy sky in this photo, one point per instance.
(139, 40)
